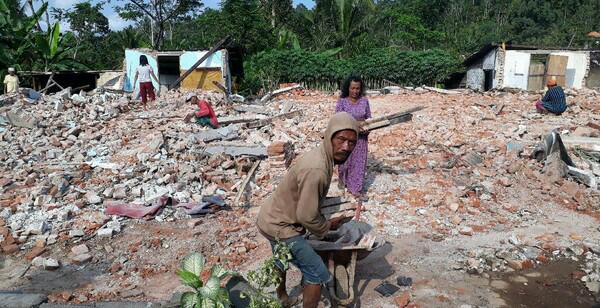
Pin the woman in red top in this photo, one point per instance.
(205, 116)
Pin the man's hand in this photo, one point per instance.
(335, 223)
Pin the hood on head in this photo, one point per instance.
(339, 121)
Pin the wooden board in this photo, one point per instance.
(557, 69)
(202, 78)
(536, 76)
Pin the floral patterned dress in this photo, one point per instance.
(352, 172)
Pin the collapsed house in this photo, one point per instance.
(497, 66)
(171, 65)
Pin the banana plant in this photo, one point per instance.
(16, 35)
(52, 50)
(206, 294)
(286, 38)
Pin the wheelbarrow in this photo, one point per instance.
(341, 262)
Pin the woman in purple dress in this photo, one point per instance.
(353, 101)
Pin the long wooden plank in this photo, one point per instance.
(536, 76)
(206, 55)
(556, 69)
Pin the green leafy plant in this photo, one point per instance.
(268, 276)
(207, 293)
(313, 68)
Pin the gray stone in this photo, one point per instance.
(120, 192)
(473, 159)
(593, 286)
(105, 232)
(50, 264)
(83, 258)
(237, 150)
(76, 233)
(224, 133)
(21, 119)
(93, 198)
(80, 249)
(21, 300)
(78, 99)
(59, 106)
(37, 227)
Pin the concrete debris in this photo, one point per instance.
(457, 184)
(237, 150)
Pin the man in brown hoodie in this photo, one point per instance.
(294, 206)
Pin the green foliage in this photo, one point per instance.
(247, 25)
(268, 276)
(86, 20)
(207, 293)
(158, 15)
(17, 35)
(402, 67)
(51, 50)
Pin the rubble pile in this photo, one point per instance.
(280, 154)
(98, 150)
(90, 178)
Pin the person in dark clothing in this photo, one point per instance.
(554, 101)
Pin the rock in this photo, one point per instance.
(21, 119)
(517, 265)
(37, 227)
(93, 198)
(80, 259)
(21, 300)
(120, 192)
(78, 99)
(34, 252)
(79, 249)
(453, 207)
(105, 232)
(76, 233)
(555, 169)
(50, 264)
(593, 286)
(466, 231)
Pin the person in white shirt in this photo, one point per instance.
(144, 72)
(11, 81)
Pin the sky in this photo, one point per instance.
(116, 23)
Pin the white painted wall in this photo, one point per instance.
(516, 69)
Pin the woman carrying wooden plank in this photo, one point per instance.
(353, 101)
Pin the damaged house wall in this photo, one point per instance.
(593, 78)
(494, 67)
(214, 68)
(132, 61)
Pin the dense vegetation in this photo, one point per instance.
(410, 41)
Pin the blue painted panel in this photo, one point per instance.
(132, 60)
(189, 58)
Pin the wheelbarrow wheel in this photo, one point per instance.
(342, 286)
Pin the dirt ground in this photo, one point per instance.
(459, 228)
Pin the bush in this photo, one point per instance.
(269, 68)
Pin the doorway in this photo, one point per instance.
(168, 69)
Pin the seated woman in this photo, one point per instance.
(554, 101)
(205, 116)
